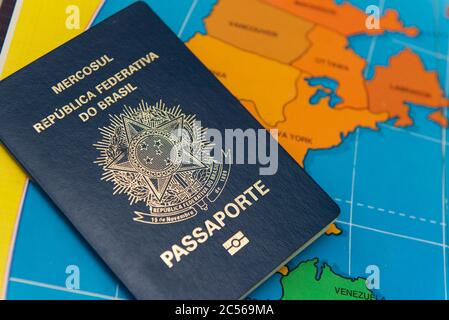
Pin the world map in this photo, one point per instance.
(362, 109)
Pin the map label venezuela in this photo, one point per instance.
(312, 281)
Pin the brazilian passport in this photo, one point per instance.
(166, 175)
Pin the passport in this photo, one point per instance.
(140, 147)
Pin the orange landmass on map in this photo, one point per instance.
(439, 117)
(324, 126)
(333, 230)
(267, 83)
(329, 56)
(256, 32)
(404, 80)
(277, 93)
(283, 270)
(343, 18)
(316, 126)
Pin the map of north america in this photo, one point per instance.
(290, 64)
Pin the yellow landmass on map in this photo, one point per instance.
(283, 270)
(265, 82)
(439, 118)
(329, 56)
(333, 230)
(231, 22)
(40, 28)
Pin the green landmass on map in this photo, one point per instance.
(311, 281)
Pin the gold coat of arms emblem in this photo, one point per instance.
(159, 156)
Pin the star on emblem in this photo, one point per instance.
(158, 143)
(167, 137)
(143, 146)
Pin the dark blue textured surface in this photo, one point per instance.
(61, 160)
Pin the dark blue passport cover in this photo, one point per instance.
(134, 178)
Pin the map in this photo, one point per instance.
(358, 91)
